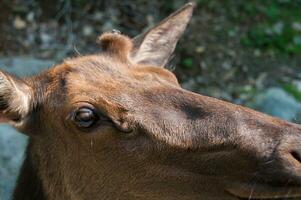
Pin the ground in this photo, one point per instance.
(231, 49)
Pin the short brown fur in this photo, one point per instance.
(152, 139)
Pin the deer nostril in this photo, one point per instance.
(297, 154)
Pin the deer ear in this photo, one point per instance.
(15, 99)
(155, 46)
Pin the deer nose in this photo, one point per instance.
(284, 164)
(296, 154)
(290, 151)
(289, 155)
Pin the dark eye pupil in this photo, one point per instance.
(84, 117)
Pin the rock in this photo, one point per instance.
(297, 40)
(296, 26)
(12, 143)
(277, 29)
(226, 65)
(24, 66)
(87, 30)
(12, 146)
(200, 49)
(298, 84)
(107, 26)
(257, 53)
(278, 103)
(30, 16)
(98, 16)
(19, 23)
(46, 39)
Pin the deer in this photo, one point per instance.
(117, 125)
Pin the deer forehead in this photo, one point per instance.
(105, 72)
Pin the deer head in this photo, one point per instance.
(117, 125)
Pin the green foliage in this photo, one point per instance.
(274, 29)
(284, 42)
(269, 23)
(292, 90)
(187, 62)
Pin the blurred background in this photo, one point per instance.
(246, 52)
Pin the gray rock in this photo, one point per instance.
(12, 143)
(296, 26)
(297, 83)
(278, 103)
(297, 40)
(24, 66)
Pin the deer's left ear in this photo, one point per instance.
(15, 99)
(156, 45)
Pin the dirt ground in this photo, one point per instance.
(231, 49)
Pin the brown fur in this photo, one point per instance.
(154, 140)
(116, 45)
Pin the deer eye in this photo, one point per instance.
(85, 117)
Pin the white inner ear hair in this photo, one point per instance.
(15, 97)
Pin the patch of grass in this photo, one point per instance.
(292, 90)
(274, 31)
(269, 23)
(187, 63)
(263, 37)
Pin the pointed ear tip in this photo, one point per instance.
(186, 10)
(2, 73)
(190, 4)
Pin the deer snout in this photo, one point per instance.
(289, 155)
(277, 148)
(296, 154)
(276, 145)
(283, 166)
